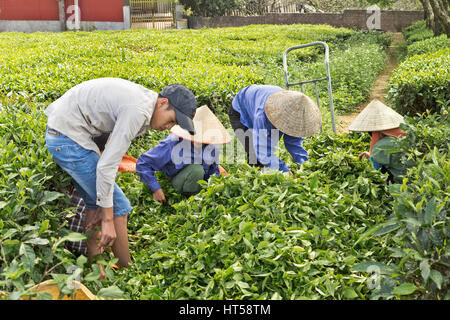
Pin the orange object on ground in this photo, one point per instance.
(222, 171)
(82, 293)
(128, 163)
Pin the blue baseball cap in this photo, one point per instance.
(184, 103)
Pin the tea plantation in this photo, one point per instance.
(336, 229)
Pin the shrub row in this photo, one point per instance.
(305, 247)
(416, 32)
(215, 64)
(231, 244)
(429, 45)
(420, 82)
(32, 209)
(419, 228)
(423, 78)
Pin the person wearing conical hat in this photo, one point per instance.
(383, 124)
(261, 114)
(185, 158)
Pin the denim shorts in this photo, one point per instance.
(81, 165)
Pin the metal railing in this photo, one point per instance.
(326, 78)
(262, 8)
(152, 14)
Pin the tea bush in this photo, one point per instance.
(223, 243)
(263, 236)
(420, 82)
(429, 45)
(419, 228)
(214, 63)
(33, 206)
(245, 236)
(417, 31)
(422, 79)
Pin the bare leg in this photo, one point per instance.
(94, 235)
(121, 248)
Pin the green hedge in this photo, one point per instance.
(316, 235)
(232, 244)
(429, 45)
(419, 228)
(416, 32)
(420, 82)
(214, 63)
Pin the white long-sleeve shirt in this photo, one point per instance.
(106, 105)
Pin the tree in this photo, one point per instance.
(436, 14)
(439, 20)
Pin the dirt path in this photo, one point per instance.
(379, 89)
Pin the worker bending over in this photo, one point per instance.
(185, 158)
(261, 114)
(383, 124)
(125, 110)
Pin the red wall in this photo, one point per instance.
(99, 10)
(29, 10)
(91, 10)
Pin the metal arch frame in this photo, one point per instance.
(327, 78)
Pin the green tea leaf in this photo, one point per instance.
(112, 292)
(75, 236)
(350, 293)
(245, 226)
(405, 289)
(425, 269)
(28, 256)
(38, 241)
(387, 228)
(44, 226)
(3, 204)
(437, 278)
(430, 211)
(44, 296)
(50, 196)
(370, 266)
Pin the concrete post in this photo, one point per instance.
(126, 14)
(62, 15)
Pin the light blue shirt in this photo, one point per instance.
(250, 103)
(171, 155)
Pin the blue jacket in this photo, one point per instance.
(171, 155)
(250, 103)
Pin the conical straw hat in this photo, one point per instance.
(208, 129)
(293, 113)
(376, 117)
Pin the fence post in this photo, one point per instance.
(62, 15)
(126, 14)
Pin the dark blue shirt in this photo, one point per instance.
(250, 102)
(171, 155)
